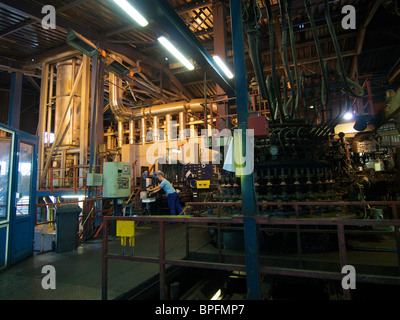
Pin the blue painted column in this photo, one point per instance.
(14, 110)
(250, 210)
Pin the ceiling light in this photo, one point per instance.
(223, 66)
(170, 47)
(348, 116)
(216, 295)
(134, 14)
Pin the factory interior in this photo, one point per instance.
(199, 149)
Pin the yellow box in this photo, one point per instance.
(125, 228)
(203, 184)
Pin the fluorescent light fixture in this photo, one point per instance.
(132, 12)
(170, 47)
(216, 295)
(348, 116)
(223, 66)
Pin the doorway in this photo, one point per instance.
(18, 166)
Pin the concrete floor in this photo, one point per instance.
(78, 274)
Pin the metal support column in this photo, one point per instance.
(14, 111)
(250, 210)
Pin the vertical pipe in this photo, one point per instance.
(42, 112)
(131, 132)
(50, 103)
(120, 134)
(73, 107)
(250, 210)
(155, 129)
(100, 107)
(93, 112)
(191, 126)
(84, 117)
(109, 142)
(182, 125)
(168, 127)
(143, 130)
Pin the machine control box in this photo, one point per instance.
(94, 180)
(363, 146)
(117, 179)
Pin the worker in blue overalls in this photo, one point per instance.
(172, 195)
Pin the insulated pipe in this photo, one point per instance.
(115, 99)
(124, 113)
(192, 126)
(325, 95)
(168, 127)
(285, 57)
(120, 134)
(109, 139)
(155, 129)
(275, 79)
(131, 132)
(288, 5)
(182, 125)
(143, 130)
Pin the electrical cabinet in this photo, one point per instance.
(117, 179)
(94, 179)
(363, 146)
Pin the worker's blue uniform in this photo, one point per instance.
(172, 197)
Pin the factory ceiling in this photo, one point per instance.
(373, 48)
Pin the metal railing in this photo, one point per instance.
(56, 179)
(265, 221)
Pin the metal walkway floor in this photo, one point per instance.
(78, 274)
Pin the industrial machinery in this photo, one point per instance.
(311, 141)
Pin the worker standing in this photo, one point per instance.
(172, 195)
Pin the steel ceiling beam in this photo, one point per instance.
(34, 12)
(171, 24)
(361, 35)
(132, 53)
(196, 6)
(182, 10)
(16, 27)
(31, 21)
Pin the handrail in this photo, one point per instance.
(208, 221)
